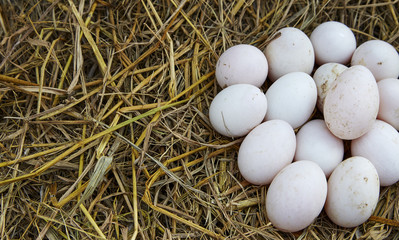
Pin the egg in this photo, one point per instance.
(241, 64)
(237, 109)
(351, 104)
(266, 150)
(380, 57)
(389, 101)
(324, 76)
(380, 145)
(296, 196)
(290, 51)
(333, 42)
(353, 191)
(314, 142)
(292, 98)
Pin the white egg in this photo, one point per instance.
(380, 57)
(290, 51)
(314, 142)
(266, 150)
(237, 109)
(380, 145)
(296, 196)
(389, 101)
(333, 42)
(324, 76)
(292, 98)
(353, 191)
(351, 104)
(241, 64)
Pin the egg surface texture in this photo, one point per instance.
(351, 104)
(316, 143)
(353, 191)
(380, 57)
(292, 98)
(290, 51)
(241, 64)
(389, 101)
(333, 42)
(237, 109)
(380, 145)
(266, 150)
(324, 76)
(296, 196)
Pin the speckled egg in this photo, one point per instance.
(380, 145)
(353, 191)
(324, 76)
(351, 104)
(380, 57)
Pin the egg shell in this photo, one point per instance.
(380, 145)
(353, 191)
(266, 150)
(314, 142)
(237, 109)
(292, 98)
(296, 196)
(290, 51)
(333, 42)
(242, 63)
(389, 101)
(324, 76)
(351, 104)
(380, 57)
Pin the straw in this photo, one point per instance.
(104, 126)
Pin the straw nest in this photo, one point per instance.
(104, 118)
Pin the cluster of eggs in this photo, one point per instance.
(306, 171)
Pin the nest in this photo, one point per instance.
(104, 128)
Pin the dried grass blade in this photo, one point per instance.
(48, 219)
(28, 30)
(97, 177)
(71, 196)
(21, 89)
(7, 79)
(43, 72)
(172, 84)
(63, 109)
(386, 221)
(51, 163)
(135, 197)
(69, 61)
(135, 90)
(89, 38)
(182, 220)
(39, 154)
(104, 142)
(201, 36)
(92, 222)
(237, 7)
(140, 107)
(201, 80)
(50, 90)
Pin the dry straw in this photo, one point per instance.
(104, 132)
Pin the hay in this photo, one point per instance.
(104, 126)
